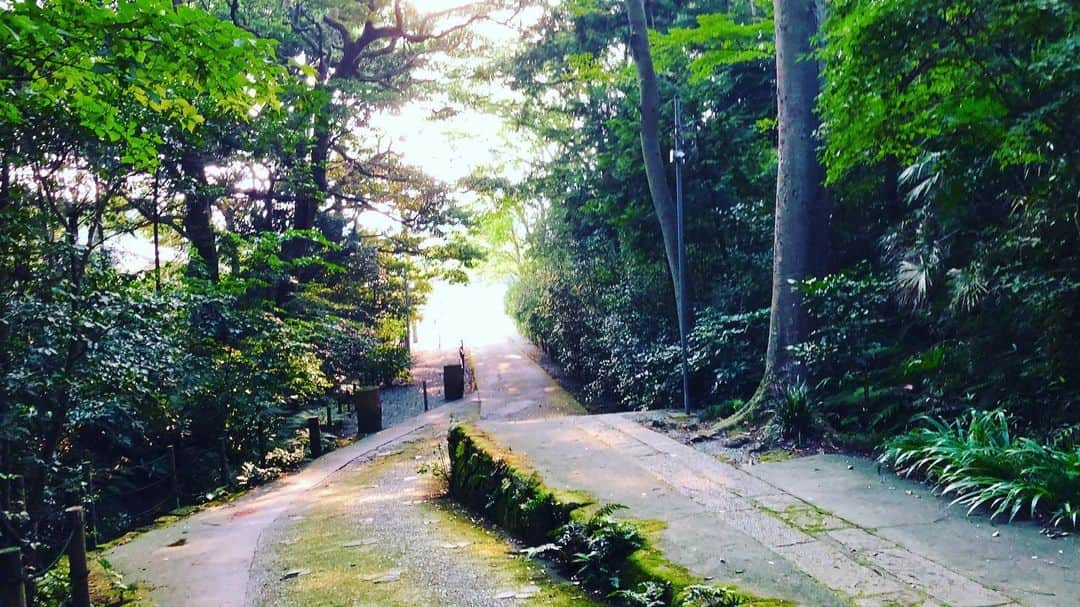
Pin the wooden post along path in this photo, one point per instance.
(314, 436)
(76, 551)
(12, 586)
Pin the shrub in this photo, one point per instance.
(977, 459)
(792, 412)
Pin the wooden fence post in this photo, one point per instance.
(79, 574)
(329, 416)
(314, 437)
(261, 438)
(12, 588)
(223, 462)
(424, 382)
(368, 410)
(174, 481)
(18, 491)
(91, 510)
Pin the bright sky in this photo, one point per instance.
(473, 313)
(453, 148)
(446, 149)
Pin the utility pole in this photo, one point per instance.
(678, 158)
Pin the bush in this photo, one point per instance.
(792, 413)
(978, 460)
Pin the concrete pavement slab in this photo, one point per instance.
(1014, 560)
(816, 532)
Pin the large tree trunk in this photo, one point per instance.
(800, 235)
(197, 219)
(659, 190)
(800, 238)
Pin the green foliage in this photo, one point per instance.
(717, 41)
(978, 460)
(646, 594)
(905, 74)
(721, 410)
(114, 127)
(128, 73)
(709, 596)
(593, 290)
(792, 413)
(594, 550)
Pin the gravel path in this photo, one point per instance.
(403, 402)
(379, 533)
(232, 555)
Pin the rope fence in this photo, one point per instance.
(20, 577)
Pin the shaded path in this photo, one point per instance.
(205, 559)
(819, 531)
(208, 558)
(381, 534)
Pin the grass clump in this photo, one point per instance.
(792, 413)
(979, 461)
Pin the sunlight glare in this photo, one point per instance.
(435, 6)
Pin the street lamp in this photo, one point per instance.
(679, 157)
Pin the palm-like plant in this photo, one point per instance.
(978, 460)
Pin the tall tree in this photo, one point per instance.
(659, 190)
(800, 236)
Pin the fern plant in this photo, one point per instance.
(977, 460)
(645, 594)
(709, 596)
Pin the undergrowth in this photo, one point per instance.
(979, 461)
(592, 551)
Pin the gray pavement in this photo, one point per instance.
(511, 386)
(810, 530)
(204, 560)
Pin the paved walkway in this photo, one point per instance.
(205, 559)
(819, 531)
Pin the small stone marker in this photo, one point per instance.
(385, 577)
(295, 573)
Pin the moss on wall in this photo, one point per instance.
(508, 491)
